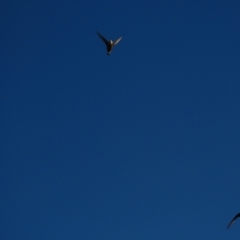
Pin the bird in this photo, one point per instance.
(110, 44)
(232, 221)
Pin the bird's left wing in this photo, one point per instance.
(103, 38)
(232, 221)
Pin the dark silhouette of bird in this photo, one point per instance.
(110, 44)
(232, 221)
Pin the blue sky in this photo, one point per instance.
(141, 144)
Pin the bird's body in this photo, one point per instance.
(232, 221)
(109, 44)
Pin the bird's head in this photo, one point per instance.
(111, 42)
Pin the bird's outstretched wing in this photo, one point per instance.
(232, 221)
(117, 41)
(103, 38)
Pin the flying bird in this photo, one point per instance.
(110, 44)
(232, 221)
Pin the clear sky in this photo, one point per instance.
(142, 144)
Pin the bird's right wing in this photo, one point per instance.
(117, 41)
(103, 39)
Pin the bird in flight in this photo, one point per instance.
(110, 44)
(232, 221)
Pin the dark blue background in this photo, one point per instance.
(141, 144)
